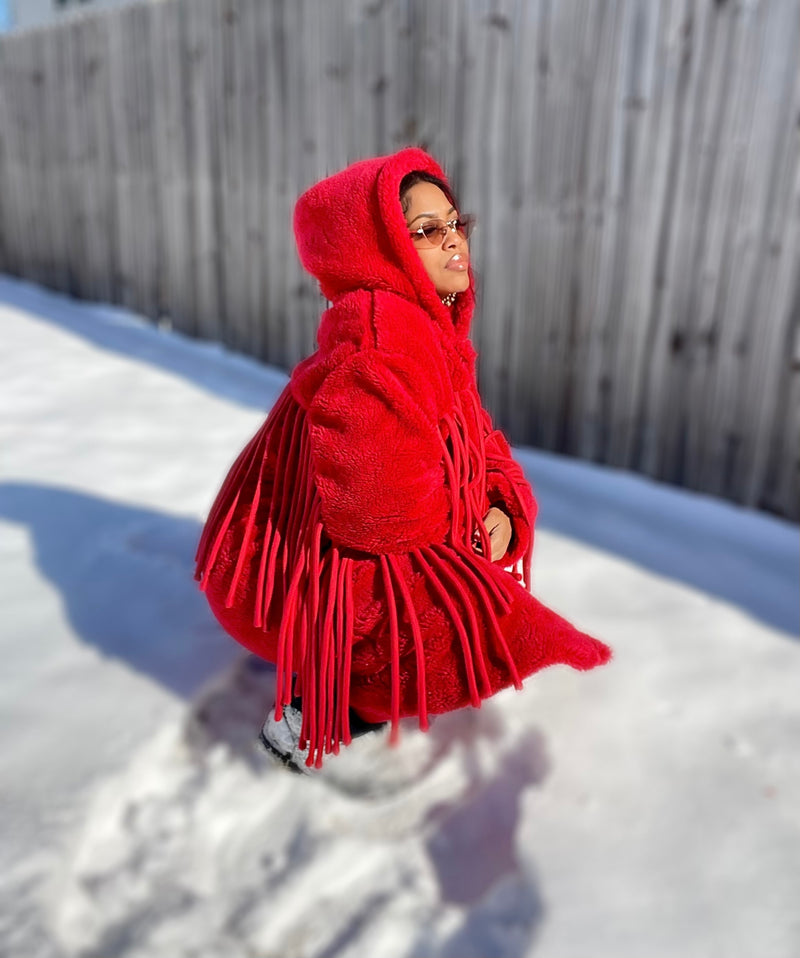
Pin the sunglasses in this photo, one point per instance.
(434, 232)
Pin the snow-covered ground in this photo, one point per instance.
(648, 809)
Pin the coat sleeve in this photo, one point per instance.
(507, 488)
(377, 454)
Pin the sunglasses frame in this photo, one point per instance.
(467, 222)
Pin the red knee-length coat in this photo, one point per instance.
(339, 546)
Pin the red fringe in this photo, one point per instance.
(338, 635)
(309, 580)
(394, 636)
(422, 696)
(419, 555)
(348, 649)
(481, 418)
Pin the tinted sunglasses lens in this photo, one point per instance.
(465, 226)
(432, 233)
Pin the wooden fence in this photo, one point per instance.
(635, 167)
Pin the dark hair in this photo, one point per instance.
(421, 176)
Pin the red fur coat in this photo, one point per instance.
(339, 546)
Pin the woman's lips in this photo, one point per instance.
(458, 263)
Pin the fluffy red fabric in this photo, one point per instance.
(339, 546)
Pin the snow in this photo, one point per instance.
(648, 808)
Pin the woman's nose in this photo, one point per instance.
(453, 239)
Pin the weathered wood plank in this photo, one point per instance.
(33, 86)
(204, 165)
(276, 187)
(250, 108)
(95, 165)
(492, 43)
(772, 341)
(608, 244)
(176, 300)
(227, 134)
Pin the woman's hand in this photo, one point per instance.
(498, 526)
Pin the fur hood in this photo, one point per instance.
(351, 235)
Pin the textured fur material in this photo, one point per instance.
(339, 546)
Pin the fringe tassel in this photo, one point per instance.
(242, 466)
(309, 580)
(394, 637)
(338, 636)
(479, 414)
(313, 694)
(331, 562)
(480, 584)
(251, 522)
(422, 694)
(476, 650)
(420, 556)
(464, 483)
(283, 693)
(272, 533)
(228, 496)
(349, 618)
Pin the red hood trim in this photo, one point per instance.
(351, 234)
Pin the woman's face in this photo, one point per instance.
(447, 263)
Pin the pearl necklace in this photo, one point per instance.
(449, 299)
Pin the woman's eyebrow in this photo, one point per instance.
(451, 210)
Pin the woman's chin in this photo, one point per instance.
(455, 284)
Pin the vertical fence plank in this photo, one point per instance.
(769, 341)
(305, 302)
(564, 101)
(122, 159)
(739, 332)
(21, 150)
(96, 197)
(229, 186)
(71, 130)
(494, 30)
(628, 431)
(275, 184)
(783, 489)
(713, 289)
(146, 275)
(522, 90)
(176, 299)
(666, 350)
(250, 108)
(270, 334)
(298, 139)
(204, 168)
(397, 39)
(525, 213)
(595, 98)
(471, 136)
(696, 265)
(7, 239)
(32, 81)
(56, 178)
(292, 169)
(609, 221)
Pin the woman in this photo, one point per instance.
(361, 540)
